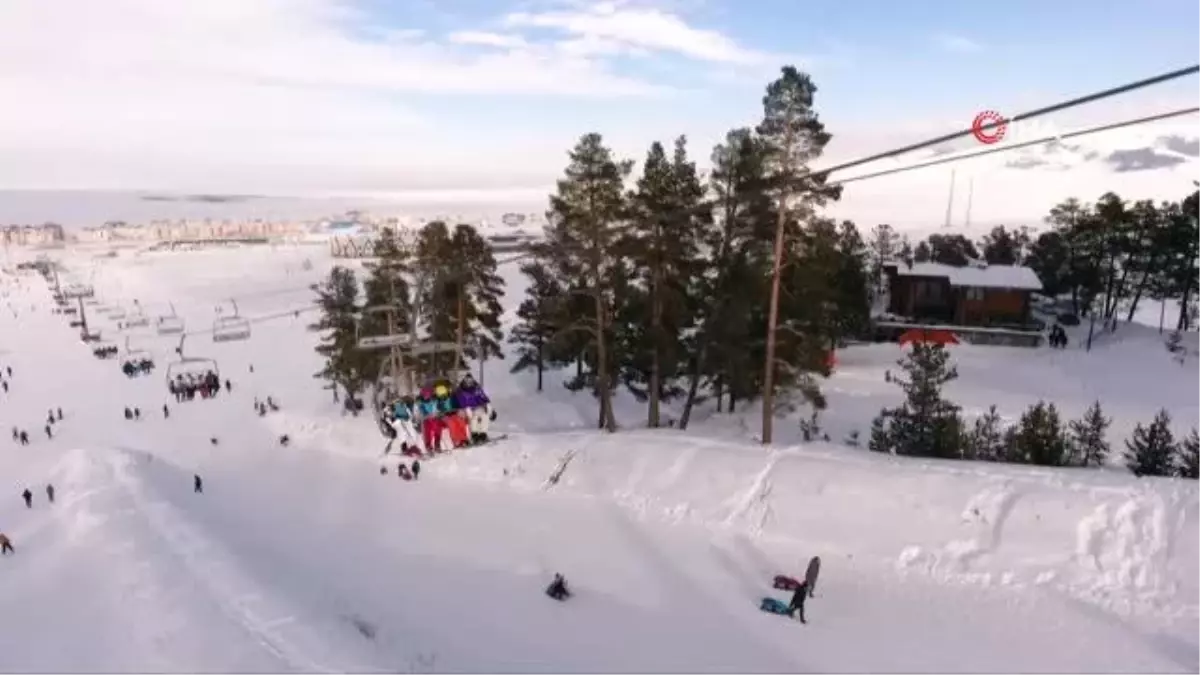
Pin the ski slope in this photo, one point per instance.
(306, 559)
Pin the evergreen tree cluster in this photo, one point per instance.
(927, 425)
(665, 288)
(439, 285)
(1109, 257)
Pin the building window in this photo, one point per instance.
(974, 293)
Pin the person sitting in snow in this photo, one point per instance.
(471, 398)
(558, 588)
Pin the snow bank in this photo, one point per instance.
(1127, 544)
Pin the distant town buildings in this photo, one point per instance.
(353, 229)
(48, 234)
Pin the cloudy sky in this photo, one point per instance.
(480, 99)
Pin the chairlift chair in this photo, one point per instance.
(132, 354)
(231, 328)
(169, 324)
(138, 318)
(186, 365)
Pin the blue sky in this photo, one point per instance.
(307, 96)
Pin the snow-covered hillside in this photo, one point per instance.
(305, 558)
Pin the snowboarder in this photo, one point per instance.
(6, 546)
(197, 484)
(558, 588)
(416, 469)
(59, 411)
(50, 492)
(796, 606)
(28, 497)
(166, 412)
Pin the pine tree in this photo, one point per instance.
(1152, 448)
(1088, 438)
(926, 425)
(881, 439)
(885, 247)
(661, 245)
(1187, 456)
(388, 286)
(588, 205)
(986, 440)
(793, 136)
(1040, 438)
(474, 293)
(345, 365)
(539, 317)
(734, 279)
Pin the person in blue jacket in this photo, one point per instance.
(405, 422)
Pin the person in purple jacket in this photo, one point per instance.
(471, 399)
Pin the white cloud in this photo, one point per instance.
(957, 43)
(486, 39)
(641, 27)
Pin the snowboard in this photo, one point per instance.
(810, 574)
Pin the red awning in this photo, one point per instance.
(937, 336)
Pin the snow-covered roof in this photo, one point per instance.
(977, 276)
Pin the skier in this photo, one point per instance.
(796, 606)
(49, 432)
(166, 412)
(28, 497)
(16, 435)
(197, 484)
(9, 370)
(284, 440)
(431, 423)
(50, 417)
(471, 398)
(128, 413)
(558, 588)
(5, 385)
(137, 413)
(416, 469)
(228, 386)
(404, 422)
(6, 546)
(24, 437)
(59, 411)
(50, 492)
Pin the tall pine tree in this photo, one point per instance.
(661, 246)
(587, 208)
(345, 365)
(1151, 451)
(539, 317)
(793, 136)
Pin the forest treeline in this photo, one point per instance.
(663, 285)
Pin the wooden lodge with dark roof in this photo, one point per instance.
(979, 300)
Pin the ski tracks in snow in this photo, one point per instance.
(238, 597)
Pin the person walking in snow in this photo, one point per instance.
(197, 484)
(50, 492)
(796, 606)
(28, 497)
(6, 546)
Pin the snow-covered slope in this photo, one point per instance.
(306, 559)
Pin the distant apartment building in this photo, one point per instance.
(47, 234)
(189, 230)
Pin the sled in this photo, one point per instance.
(774, 606)
(785, 583)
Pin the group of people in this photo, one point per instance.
(104, 351)
(1058, 337)
(138, 366)
(186, 386)
(441, 417)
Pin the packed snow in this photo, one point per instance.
(304, 558)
